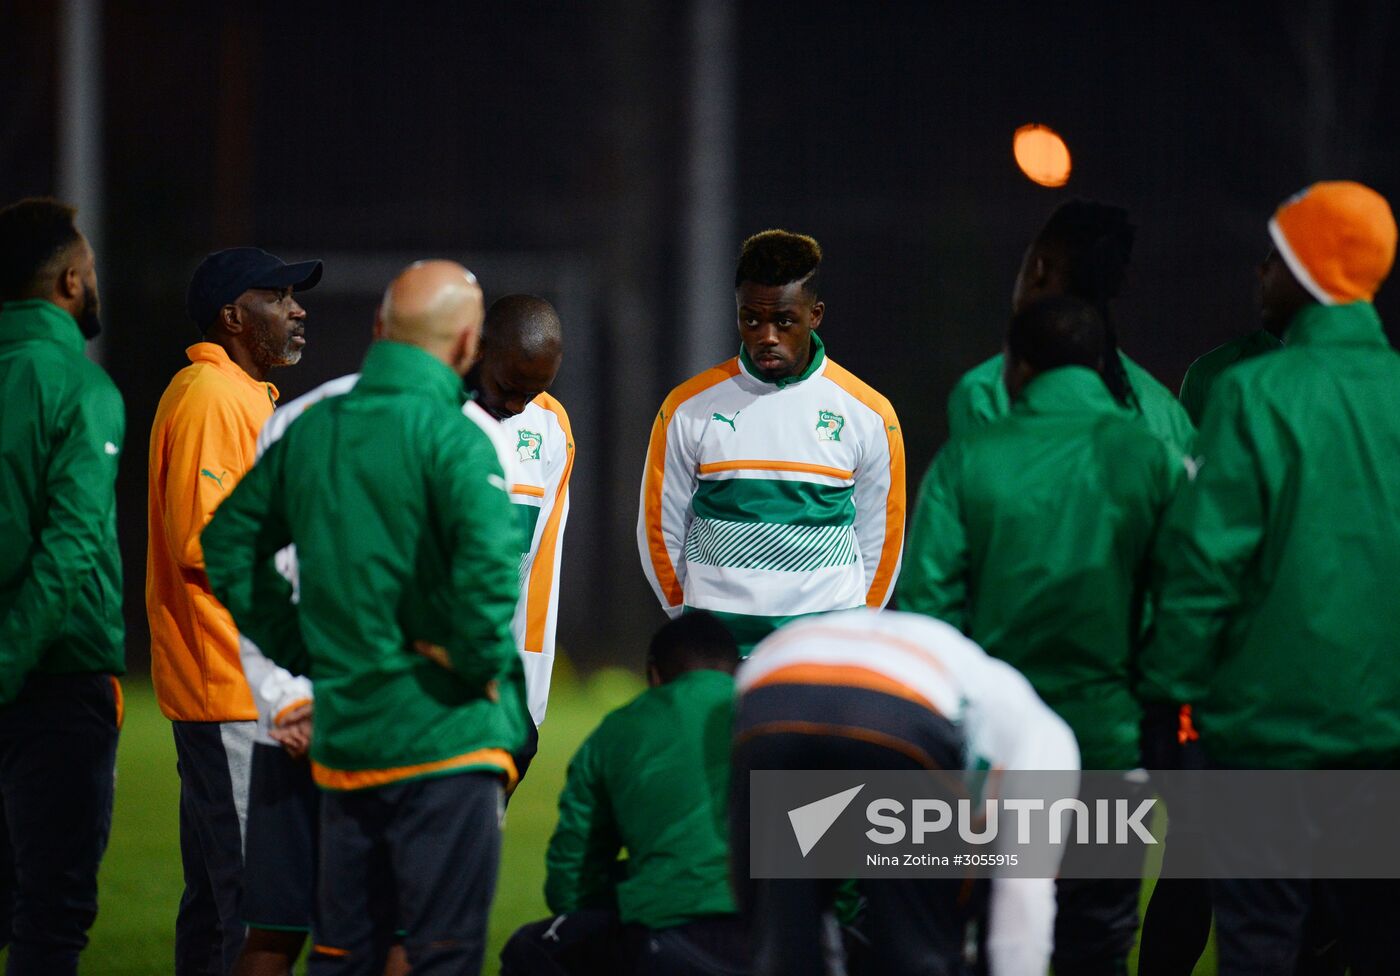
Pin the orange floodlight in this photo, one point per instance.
(1041, 154)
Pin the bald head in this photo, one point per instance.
(522, 347)
(436, 306)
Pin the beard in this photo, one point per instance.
(273, 349)
(89, 317)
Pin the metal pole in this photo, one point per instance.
(709, 246)
(80, 122)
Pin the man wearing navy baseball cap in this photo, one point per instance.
(241, 299)
(203, 440)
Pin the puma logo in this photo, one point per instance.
(218, 479)
(726, 420)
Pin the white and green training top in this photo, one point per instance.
(767, 500)
(541, 443)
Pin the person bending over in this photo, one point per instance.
(653, 779)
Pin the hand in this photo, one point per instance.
(293, 730)
(295, 737)
(438, 655)
(433, 652)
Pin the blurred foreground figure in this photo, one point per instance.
(202, 441)
(60, 590)
(1276, 569)
(885, 690)
(774, 482)
(1082, 252)
(652, 780)
(407, 568)
(1032, 536)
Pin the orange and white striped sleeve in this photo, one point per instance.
(669, 480)
(536, 617)
(879, 490)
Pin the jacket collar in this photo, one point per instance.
(1260, 341)
(400, 368)
(217, 356)
(813, 368)
(700, 676)
(1067, 389)
(35, 318)
(1352, 324)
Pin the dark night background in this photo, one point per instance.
(546, 146)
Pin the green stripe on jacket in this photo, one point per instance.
(773, 501)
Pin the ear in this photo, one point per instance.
(70, 283)
(818, 310)
(230, 318)
(1040, 270)
(653, 676)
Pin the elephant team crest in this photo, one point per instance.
(829, 425)
(527, 445)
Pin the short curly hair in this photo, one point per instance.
(779, 257)
(692, 640)
(34, 233)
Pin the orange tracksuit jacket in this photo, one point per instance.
(203, 440)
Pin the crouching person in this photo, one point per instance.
(653, 778)
(882, 690)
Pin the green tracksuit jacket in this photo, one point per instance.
(1278, 566)
(61, 428)
(398, 508)
(980, 397)
(653, 778)
(1031, 535)
(1202, 374)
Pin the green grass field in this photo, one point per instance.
(141, 879)
(140, 882)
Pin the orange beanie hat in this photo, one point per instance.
(1338, 239)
